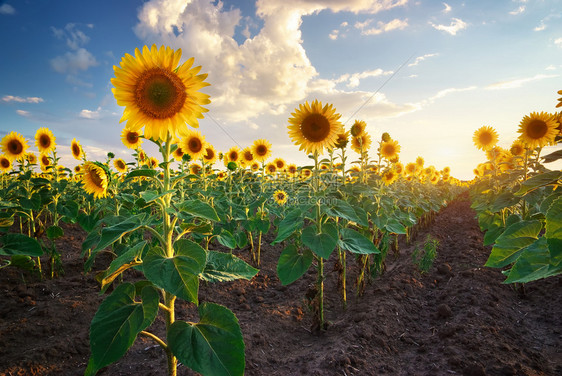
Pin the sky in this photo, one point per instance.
(429, 73)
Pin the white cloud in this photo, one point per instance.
(456, 25)
(447, 8)
(267, 71)
(73, 62)
(558, 42)
(74, 37)
(541, 27)
(419, 59)
(381, 26)
(23, 113)
(7, 9)
(334, 34)
(517, 11)
(87, 114)
(512, 84)
(12, 98)
(355, 78)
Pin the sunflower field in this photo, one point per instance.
(196, 216)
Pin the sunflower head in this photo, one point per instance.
(280, 197)
(280, 164)
(389, 176)
(342, 140)
(385, 137)
(130, 138)
(95, 179)
(210, 156)
(314, 127)
(255, 166)
(195, 168)
(270, 168)
(399, 168)
(411, 168)
(358, 128)
(389, 149)
(559, 104)
(362, 143)
(193, 143)
(76, 149)
(261, 149)
(538, 129)
(120, 165)
(420, 162)
(178, 154)
(233, 154)
(292, 170)
(153, 162)
(246, 157)
(78, 169)
(14, 146)
(44, 140)
(485, 138)
(31, 158)
(158, 93)
(5, 164)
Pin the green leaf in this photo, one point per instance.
(31, 203)
(533, 264)
(343, 209)
(322, 244)
(141, 172)
(6, 219)
(117, 323)
(394, 226)
(68, 209)
(292, 264)
(87, 222)
(263, 225)
(19, 244)
(554, 231)
(292, 222)
(227, 239)
(149, 196)
(504, 200)
(130, 258)
(213, 346)
(198, 209)
(110, 235)
(511, 243)
(552, 156)
(356, 242)
(224, 267)
(538, 181)
(492, 235)
(178, 275)
(55, 232)
(22, 261)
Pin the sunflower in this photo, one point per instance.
(314, 127)
(411, 168)
(270, 168)
(538, 129)
(261, 149)
(446, 170)
(158, 94)
(292, 170)
(221, 175)
(255, 166)
(76, 149)
(420, 162)
(142, 157)
(399, 168)
(485, 138)
(306, 173)
(233, 154)
(361, 143)
(95, 179)
(153, 162)
(31, 158)
(130, 138)
(78, 169)
(120, 165)
(44, 140)
(358, 128)
(178, 154)
(246, 157)
(210, 155)
(559, 99)
(342, 140)
(385, 137)
(14, 146)
(195, 168)
(389, 149)
(280, 197)
(280, 164)
(434, 179)
(389, 177)
(517, 148)
(5, 164)
(193, 143)
(429, 171)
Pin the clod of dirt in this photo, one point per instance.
(444, 269)
(444, 311)
(474, 370)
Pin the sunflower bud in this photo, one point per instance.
(232, 166)
(386, 137)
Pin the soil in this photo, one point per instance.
(456, 319)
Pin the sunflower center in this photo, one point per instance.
(248, 156)
(210, 154)
(537, 129)
(159, 93)
(15, 147)
(485, 138)
(45, 140)
(233, 156)
(315, 128)
(121, 165)
(96, 178)
(389, 150)
(132, 137)
(5, 162)
(75, 149)
(195, 145)
(261, 150)
(280, 196)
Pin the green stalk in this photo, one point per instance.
(320, 279)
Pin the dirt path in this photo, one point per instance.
(456, 319)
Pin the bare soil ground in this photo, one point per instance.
(457, 319)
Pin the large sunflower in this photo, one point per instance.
(538, 129)
(120, 165)
(358, 128)
(210, 156)
(5, 164)
(361, 143)
(485, 138)
(389, 149)
(95, 180)
(130, 138)
(44, 140)
(314, 127)
(76, 149)
(261, 149)
(14, 146)
(246, 157)
(193, 143)
(158, 94)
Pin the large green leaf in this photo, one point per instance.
(111, 234)
(224, 267)
(343, 209)
(539, 181)
(291, 223)
(292, 264)
(552, 156)
(19, 244)
(322, 244)
(554, 231)
(142, 172)
(130, 258)
(149, 196)
(178, 275)
(504, 200)
(394, 226)
(356, 242)
(198, 209)
(55, 232)
(117, 323)
(213, 346)
(511, 243)
(534, 263)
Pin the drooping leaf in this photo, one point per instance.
(292, 222)
(19, 244)
(224, 267)
(534, 263)
(55, 232)
(552, 156)
(227, 239)
(322, 244)
(394, 226)
(198, 209)
(118, 321)
(142, 173)
(512, 241)
(178, 275)
(130, 258)
(538, 181)
(111, 234)
(214, 346)
(356, 242)
(554, 231)
(292, 264)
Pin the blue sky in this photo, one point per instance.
(464, 64)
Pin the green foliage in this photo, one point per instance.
(424, 259)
